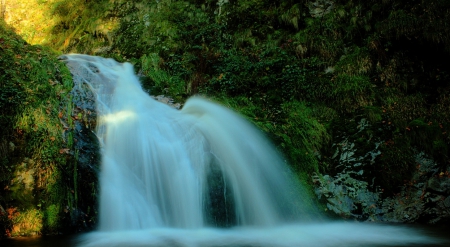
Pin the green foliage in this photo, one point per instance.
(344, 58)
(159, 80)
(81, 26)
(27, 223)
(271, 73)
(306, 74)
(352, 92)
(422, 20)
(396, 164)
(374, 114)
(293, 128)
(52, 218)
(32, 88)
(431, 137)
(303, 136)
(371, 151)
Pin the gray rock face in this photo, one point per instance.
(425, 198)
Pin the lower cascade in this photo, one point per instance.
(200, 176)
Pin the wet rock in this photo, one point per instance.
(167, 100)
(78, 117)
(347, 196)
(102, 50)
(423, 199)
(447, 202)
(373, 176)
(435, 184)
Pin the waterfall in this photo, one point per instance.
(165, 172)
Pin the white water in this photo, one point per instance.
(156, 184)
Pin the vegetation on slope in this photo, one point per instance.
(315, 75)
(298, 69)
(37, 171)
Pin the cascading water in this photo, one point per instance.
(163, 170)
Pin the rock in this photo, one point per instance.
(425, 198)
(434, 184)
(167, 100)
(447, 202)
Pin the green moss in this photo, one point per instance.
(22, 185)
(293, 127)
(52, 218)
(33, 87)
(352, 92)
(354, 61)
(303, 136)
(27, 223)
(429, 136)
(373, 113)
(160, 81)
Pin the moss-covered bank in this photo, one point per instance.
(38, 165)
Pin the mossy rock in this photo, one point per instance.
(36, 171)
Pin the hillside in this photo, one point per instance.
(353, 93)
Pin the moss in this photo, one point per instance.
(22, 185)
(299, 135)
(429, 136)
(352, 92)
(35, 83)
(356, 61)
(160, 81)
(52, 218)
(27, 223)
(373, 113)
(303, 135)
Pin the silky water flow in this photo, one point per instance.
(200, 176)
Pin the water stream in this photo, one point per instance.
(200, 176)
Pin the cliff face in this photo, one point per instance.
(353, 92)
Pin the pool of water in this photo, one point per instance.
(441, 233)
